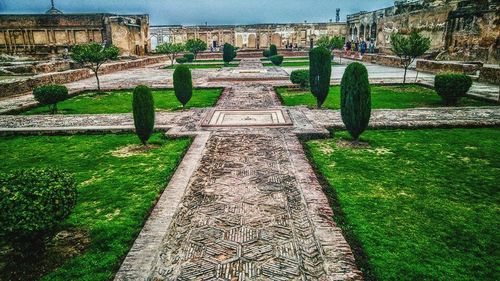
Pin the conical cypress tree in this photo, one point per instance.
(273, 50)
(183, 84)
(144, 113)
(228, 53)
(355, 99)
(320, 71)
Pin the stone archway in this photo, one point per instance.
(154, 42)
(252, 41)
(362, 32)
(215, 41)
(276, 39)
(239, 41)
(373, 31)
(227, 39)
(264, 41)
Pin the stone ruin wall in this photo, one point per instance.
(46, 35)
(248, 36)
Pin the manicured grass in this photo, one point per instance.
(390, 97)
(423, 205)
(289, 58)
(121, 102)
(204, 65)
(214, 60)
(116, 191)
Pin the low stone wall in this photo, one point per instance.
(388, 60)
(490, 74)
(448, 66)
(252, 54)
(26, 85)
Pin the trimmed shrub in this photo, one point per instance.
(355, 99)
(276, 60)
(144, 112)
(50, 95)
(189, 57)
(320, 70)
(228, 53)
(266, 53)
(183, 84)
(300, 77)
(452, 86)
(32, 204)
(181, 60)
(273, 50)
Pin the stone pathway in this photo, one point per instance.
(252, 210)
(244, 204)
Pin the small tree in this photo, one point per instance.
(325, 42)
(183, 84)
(355, 99)
(452, 86)
(228, 53)
(300, 77)
(144, 113)
(320, 71)
(50, 95)
(409, 47)
(266, 53)
(273, 50)
(170, 49)
(195, 46)
(93, 55)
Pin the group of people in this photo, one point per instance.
(361, 47)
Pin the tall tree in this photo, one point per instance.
(320, 70)
(409, 47)
(195, 46)
(170, 49)
(93, 55)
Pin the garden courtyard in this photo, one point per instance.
(251, 181)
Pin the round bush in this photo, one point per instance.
(181, 60)
(144, 112)
(183, 84)
(266, 53)
(452, 86)
(50, 95)
(273, 50)
(33, 202)
(355, 99)
(189, 57)
(300, 77)
(320, 71)
(276, 60)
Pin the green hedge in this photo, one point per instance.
(300, 77)
(452, 86)
(273, 50)
(32, 203)
(276, 60)
(189, 57)
(181, 60)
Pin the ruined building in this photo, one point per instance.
(459, 29)
(53, 32)
(255, 36)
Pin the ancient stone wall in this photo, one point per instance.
(258, 36)
(46, 34)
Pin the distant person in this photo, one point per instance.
(348, 47)
(363, 47)
(356, 46)
(371, 47)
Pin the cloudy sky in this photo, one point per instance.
(201, 11)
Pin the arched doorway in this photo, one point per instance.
(252, 44)
(362, 32)
(373, 32)
(154, 42)
(276, 39)
(215, 41)
(239, 41)
(264, 41)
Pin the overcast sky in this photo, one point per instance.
(190, 12)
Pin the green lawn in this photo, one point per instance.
(116, 192)
(289, 58)
(199, 64)
(423, 204)
(214, 60)
(390, 97)
(121, 102)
